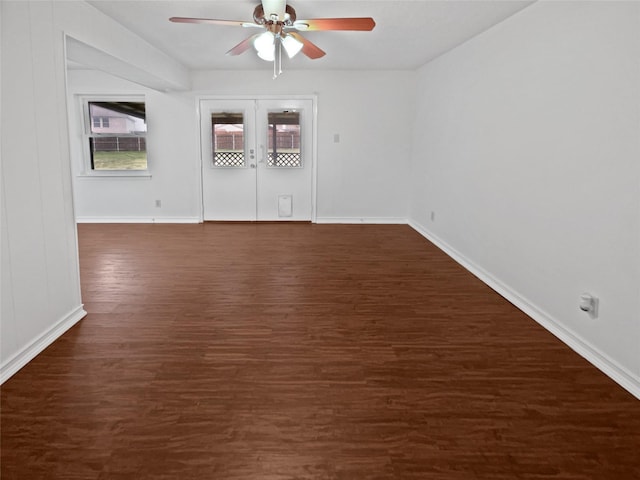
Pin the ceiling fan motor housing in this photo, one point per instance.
(274, 7)
(260, 18)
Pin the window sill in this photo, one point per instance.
(116, 174)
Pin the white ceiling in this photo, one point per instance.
(407, 34)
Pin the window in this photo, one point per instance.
(227, 139)
(100, 122)
(284, 139)
(116, 134)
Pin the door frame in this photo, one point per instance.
(314, 142)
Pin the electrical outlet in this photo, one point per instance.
(433, 216)
(589, 304)
(158, 203)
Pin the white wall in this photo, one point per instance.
(361, 178)
(528, 152)
(40, 281)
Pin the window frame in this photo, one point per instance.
(87, 134)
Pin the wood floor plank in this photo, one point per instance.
(299, 351)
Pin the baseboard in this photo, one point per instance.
(329, 220)
(28, 353)
(138, 220)
(621, 375)
(364, 220)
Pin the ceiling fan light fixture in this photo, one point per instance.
(265, 46)
(291, 45)
(267, 55)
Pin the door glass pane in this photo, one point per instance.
(284, 139)
(227, 137)
(117, 140)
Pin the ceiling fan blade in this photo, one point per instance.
(360, 24)
(311, 50)
(243, 46)
(213, 21)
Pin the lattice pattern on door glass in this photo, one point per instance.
(284, 159)
(228, 159)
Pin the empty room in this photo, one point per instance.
(315, 239)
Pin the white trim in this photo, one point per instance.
(143, 174)
(314, 160)
(364, 220)
(30, 351)
(138, 220)
(256, 97)
(621, 375)
(198, 139)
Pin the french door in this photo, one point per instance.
(257, 159)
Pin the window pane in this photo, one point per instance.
(118, 117)
(227, 139)
(121, 140)
(284, 139)
(118, 153)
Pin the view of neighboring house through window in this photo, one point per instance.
(117, 135)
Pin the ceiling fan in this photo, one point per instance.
(280, 27)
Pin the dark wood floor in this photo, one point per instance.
(294, 351)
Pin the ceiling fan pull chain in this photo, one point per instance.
(277, 56)
(275, 61)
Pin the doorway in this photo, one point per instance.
(257, 159)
